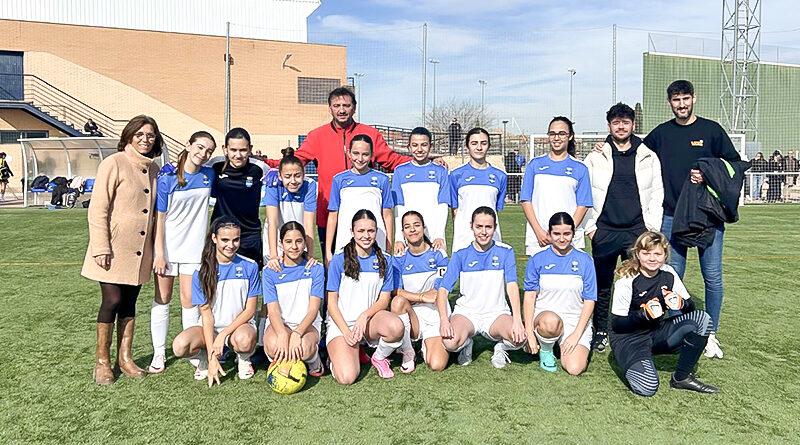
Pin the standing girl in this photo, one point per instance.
(421, 186)
(646, 290)
(226, 288)
(473, 185)
(120, 252)
(361, 187)
(555, 182)
(418, 272)
(293, 297)
(360, 282)
(5, 174)
(560, 293)
(486, 271)
(181, 224)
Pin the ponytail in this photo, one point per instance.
(185, 155)
(645, 241)
(208, 273)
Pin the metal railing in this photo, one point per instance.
(74, 112)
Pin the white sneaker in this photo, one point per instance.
(201, 371)
(500, 357)
(245, 367)
(713, 350)
(465, 355)
(409, 361)
(157, 364)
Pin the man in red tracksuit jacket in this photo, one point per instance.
(328, 145)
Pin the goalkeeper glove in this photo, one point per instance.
(672, 300)
(652, 309)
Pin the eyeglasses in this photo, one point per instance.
(141, 135)
(557, 135)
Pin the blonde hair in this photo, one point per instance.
(646, 241)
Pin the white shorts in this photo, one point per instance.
(482, 322)
(429, 321)
(175, 269)
(252, 323)
(333, 332)
(317, 324)
(570, 323)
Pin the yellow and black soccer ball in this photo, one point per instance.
(287, 377)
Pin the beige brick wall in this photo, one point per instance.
(180, 78)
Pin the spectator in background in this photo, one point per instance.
(775, 180)
(759, 167)
(454, 130)
(791, 164)
(520, 159)
(90, 128)
(5, 173)
(514, 179)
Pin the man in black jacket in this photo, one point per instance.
(679, 143)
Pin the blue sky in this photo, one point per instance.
(521, 48)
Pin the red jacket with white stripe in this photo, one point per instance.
(328, 145)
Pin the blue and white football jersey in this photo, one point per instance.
(419, 273)
(237, 281)
(482, 277)
(186, 214)
(552, 187)
(562, 283)
(291, 205)
(471, 188)
(356, 296)
(351, 192)
(292, 287)
(425, 189)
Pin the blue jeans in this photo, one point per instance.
(710, 267)
(755, 185)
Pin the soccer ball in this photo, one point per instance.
(287, 377)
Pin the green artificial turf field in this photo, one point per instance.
(47, 394)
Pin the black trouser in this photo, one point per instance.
(607, 247)
(119, 301)
(251, 247)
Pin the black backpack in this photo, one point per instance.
(40, 182)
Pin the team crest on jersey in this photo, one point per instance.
(469, 179)
(410, 175)
(206, 181)
(307, 273)
(375, 264)
(574, 266)
(495, 261)
(374, 181)
(569, 170)
(492, 178)
(431, 174)
(239, 273)
(248, 181)
(697, 143)
(431, 263)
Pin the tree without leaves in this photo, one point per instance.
(467, 112)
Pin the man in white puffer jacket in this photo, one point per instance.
(628, 193)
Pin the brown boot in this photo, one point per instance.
(125, 361)
(102, 373)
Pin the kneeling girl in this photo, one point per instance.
(293, 297)
(360, 283)
(226, 288)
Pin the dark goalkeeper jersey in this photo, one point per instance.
(238, 193)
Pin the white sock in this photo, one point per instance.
(545, 343)
(507, 345)
(262, 326)
(406, 342)
(245, 355)
(385, 349)
(159, 325)
(463, 345)
(190, 317)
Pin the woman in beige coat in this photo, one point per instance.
(120, 252)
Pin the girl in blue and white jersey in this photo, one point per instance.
(473, 185)
(293, 297)
(421, 186)
(418, 272)
(226, 288)
(360, 282)
(560, 292)
(361, 187)
(182, 220)
(555, 182)
(486, 271)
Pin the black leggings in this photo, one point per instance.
(119, 301)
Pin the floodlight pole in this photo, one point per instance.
(571, 72)
(483, 86)
(358, 77)
(227, 76)
(424, 70)
(434, 62)
(614, 67)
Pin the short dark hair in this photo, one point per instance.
(620, 111)
(680, 87)
(341, 91)
(237, 133)
(421, 131)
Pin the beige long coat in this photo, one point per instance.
(121, 218)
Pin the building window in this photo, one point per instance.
(314, 90)
(10, 137)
